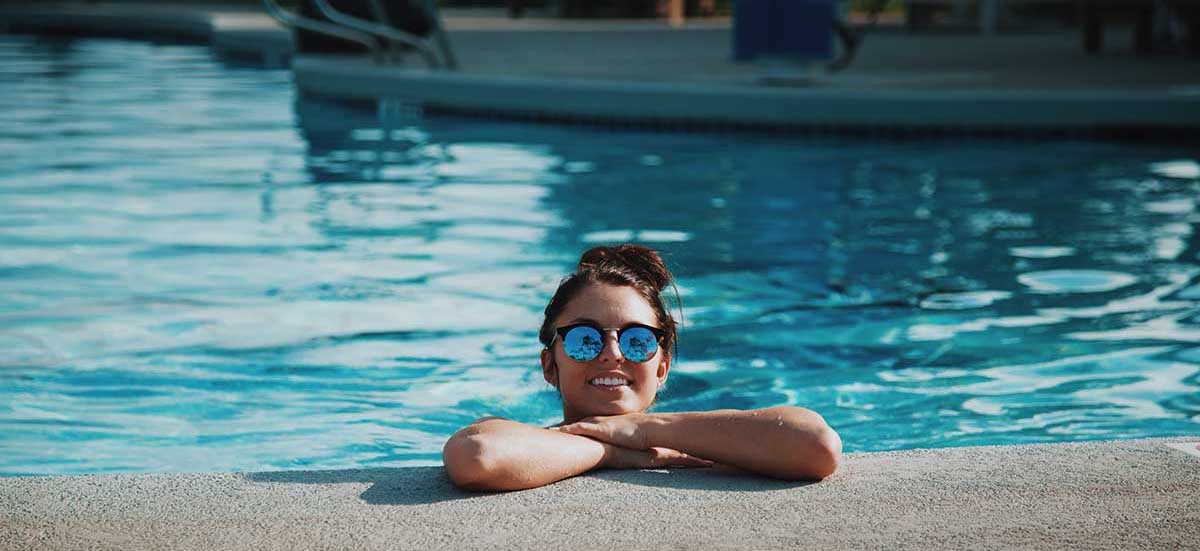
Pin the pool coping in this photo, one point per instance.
(1173, 112)
(704, 105)
(1129, 495)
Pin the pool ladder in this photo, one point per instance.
(435, 49)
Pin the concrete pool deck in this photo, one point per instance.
(1134, 494)
(648, 73)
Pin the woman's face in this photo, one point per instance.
(609, 306)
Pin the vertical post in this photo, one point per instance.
(675, 13)
(439, 34)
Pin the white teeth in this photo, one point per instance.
(608, 381)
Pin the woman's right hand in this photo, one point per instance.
(616, 457)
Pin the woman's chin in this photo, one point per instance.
(616, 407)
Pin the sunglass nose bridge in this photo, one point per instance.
(611, 344)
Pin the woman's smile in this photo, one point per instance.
(610, 382)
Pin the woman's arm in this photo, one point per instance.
(497, 454)
(783, 442)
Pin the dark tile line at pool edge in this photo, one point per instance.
(888, 132)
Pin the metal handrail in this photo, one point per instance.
(292, 20)
(439, 33)
(380, 29)
(443, 43)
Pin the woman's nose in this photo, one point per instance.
(612, 348)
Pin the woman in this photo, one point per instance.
(608, 340)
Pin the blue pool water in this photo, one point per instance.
(200, 271)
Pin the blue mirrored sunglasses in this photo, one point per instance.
(584, 341)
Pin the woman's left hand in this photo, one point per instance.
(629, 430)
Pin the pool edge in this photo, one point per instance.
(1131, 494)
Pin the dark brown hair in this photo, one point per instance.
(626, 265)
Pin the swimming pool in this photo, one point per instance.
(201, 271)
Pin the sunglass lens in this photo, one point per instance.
(638, 344)
(583, 343)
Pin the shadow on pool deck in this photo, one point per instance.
(397, 486)
(429, 485)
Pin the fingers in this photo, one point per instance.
(667, 457)
(617, 457)
(653, 458)
(581, 429)
(693, 461)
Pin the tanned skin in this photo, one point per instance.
(607, 427)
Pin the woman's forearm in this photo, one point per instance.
(783, 442)
(498, 454)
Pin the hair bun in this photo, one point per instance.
(642, 262)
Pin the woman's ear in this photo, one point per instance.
(549, 372)
(663, 368)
